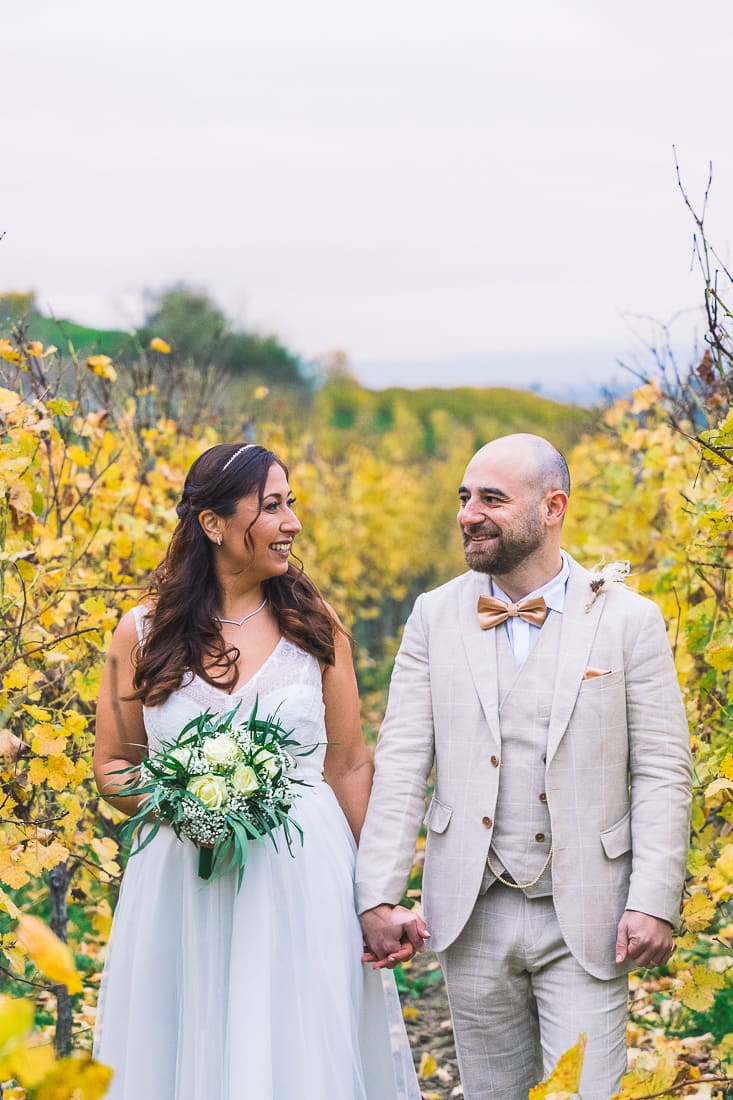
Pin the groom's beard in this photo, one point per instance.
(507, 550)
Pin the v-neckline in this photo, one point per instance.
(242, 687)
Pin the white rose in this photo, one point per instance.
(210, 789)
(244, 780)
(221, 750)
(268, 762)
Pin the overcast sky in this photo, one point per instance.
(407, 181)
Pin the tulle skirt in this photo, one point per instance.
(256, 995)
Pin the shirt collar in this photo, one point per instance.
(553, 591)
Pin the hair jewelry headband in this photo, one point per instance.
(236, 455)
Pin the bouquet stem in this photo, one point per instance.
(206, 862)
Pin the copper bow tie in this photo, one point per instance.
(491, 611)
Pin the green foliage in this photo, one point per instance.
(70, 337)
(406, 983)
(199, 330)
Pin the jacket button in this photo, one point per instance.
(495, 761)
(487, 822)
(543, 797)
(539, 837)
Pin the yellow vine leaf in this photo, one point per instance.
(86, 685)
(74, 723)
(17, 960)
(428, 1065)
(719, 655)
(102, 366)
(78, 455)
(697, 912)
(409, 1012)
(718, 785)
(122, 545)
(78, 1077)
(726, 766)
(697, 864)
(698, 989)
(30, 1062)
(49, 954)
(59, 406)
(82, 771)
(9, 399)
(7, 903)
(39, 714)
(8, 352)
(12, 871)
(102, 919)
(56, 771)
(50, 855)
(157, 344)
(565, 1077)
(16, 1020)
(19, 676)
(645, 1082)
(106, 850)
(47, 741)
(724, 863)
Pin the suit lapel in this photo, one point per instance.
(580, 620)
(480, 647)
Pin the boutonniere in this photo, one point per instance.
(615, 572)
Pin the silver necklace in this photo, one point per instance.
(249, 615)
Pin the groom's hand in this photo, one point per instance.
(392, 934)
(645, 939)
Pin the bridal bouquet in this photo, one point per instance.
(221, 783)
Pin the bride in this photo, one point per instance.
(257, 994)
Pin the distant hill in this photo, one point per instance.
(195, 328)
(358, 413)
(583, 376)
(67, 335)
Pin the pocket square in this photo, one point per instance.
(591, 673)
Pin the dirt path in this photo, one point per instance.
(427, 1020)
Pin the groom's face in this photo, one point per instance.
(501, 514)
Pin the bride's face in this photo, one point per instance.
(261, 543)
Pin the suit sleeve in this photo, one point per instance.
(403, 760)
(660, 774)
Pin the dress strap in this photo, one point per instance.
(141, 615)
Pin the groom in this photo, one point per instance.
(558, 830)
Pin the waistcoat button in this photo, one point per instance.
(487, 822)
(539, 837)
(495, 761)
(543, 797)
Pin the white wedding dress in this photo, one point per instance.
(210, 994)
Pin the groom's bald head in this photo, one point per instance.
(535, 459)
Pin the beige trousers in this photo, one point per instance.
(519, 1000)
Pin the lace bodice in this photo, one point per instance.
(289, 683)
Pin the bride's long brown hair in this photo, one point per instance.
(182, 635)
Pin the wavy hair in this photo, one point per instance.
(182, 635)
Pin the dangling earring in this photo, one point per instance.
(218, 539)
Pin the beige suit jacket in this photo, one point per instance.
(618, 776)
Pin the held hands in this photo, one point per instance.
(647, 940)
(392, 934)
